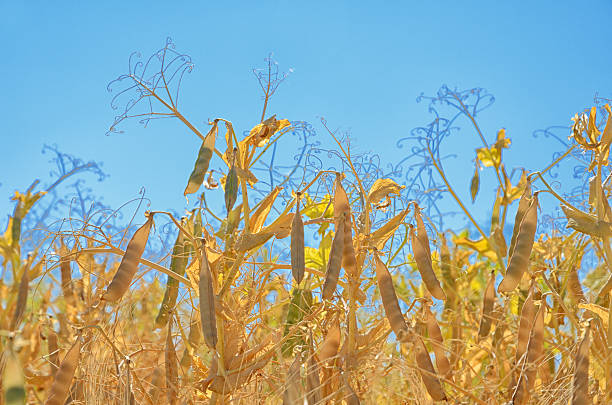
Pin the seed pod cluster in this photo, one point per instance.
(129, 263)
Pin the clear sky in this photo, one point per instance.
(358, 64)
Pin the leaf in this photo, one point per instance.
(586, 223)
(246, 175)
(380, 236)
(383, 188)
(480, 245)
(601, 312)
(261, 133)
(258, 218)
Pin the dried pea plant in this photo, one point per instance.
(322, 282)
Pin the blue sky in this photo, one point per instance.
(358, 64)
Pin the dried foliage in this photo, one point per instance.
(322, 280)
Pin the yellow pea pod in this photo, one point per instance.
(334, 263)
(389, 299)
(524, 243)
(129, 264)
(424, 266)
(60, 387)
(208, 316)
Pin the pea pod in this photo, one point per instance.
(487, 307)
(177, 265)
(334, 263)
(129, 264)
(520, 213)
(423, 261)
(63, 377)
(297, 245)
(580, 382)
(389, 299)
(208, 315)
(519, 260)
(231, 185)
(201, 165)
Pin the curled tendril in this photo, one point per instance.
(270, 77)
(150, 90)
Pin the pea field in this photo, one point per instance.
(331, 280)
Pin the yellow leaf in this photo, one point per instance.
(258, 218)
(261, 133)
(481, 246)
(380, 236)
(383, 188)
(601, 312)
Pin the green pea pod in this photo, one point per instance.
(201, 165)
(177, 265)
(301, 301)
(231, 186)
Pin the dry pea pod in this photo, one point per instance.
(66, 275)
(528, 313)
(426, 369)
(293, 386)
(486, 315)
(350, 397)
(208, 316)
(437, 342)
(129, 264)
(520, 213)
(53, 350)
(424, 266)
(248, 241)
(580, 382)
(201, 165)
(529, 365)
(231, 185)
(573, 285)
(524, 243)
(421, 231)
(335, 262)
(22, 296)
(63, 377)
(331, 343)
(297, 245)
(171, 368)
(389, 299)
(178, 263)
(313, 383)
(342, 212)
